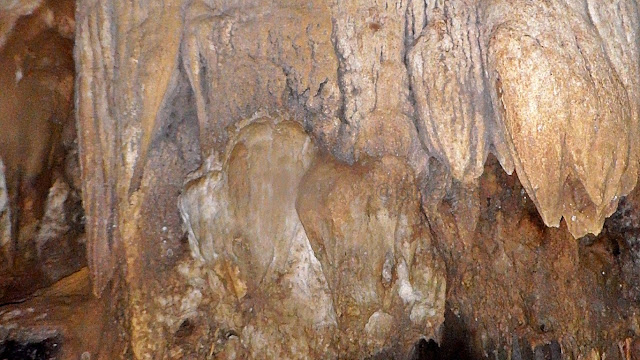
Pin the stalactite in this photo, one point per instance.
(342, 151)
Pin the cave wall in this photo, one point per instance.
(548, 88)
(299, 179)
(41, 235)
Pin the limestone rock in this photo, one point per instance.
(554, 287)
(37, 78)
(127, 115)
(367, 272)
(345, 96)
(557, 103)
(550, 88)
(366, 228)
(10, 11)
(370, 45)
(455, 119)
(566, 97)
(289, 60)
(47, 14)
(38, 75)
(59, 242)
(243, 224)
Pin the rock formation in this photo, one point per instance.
(574, 143)
(37, 146)
(346, 179)
(5, 219)
(354, 261)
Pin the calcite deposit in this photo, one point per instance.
(313, 179)
(59, 242)
(329, 251)
(557, 103)
(243, 224)
(366, 229)
(454, 115)
(566, 97)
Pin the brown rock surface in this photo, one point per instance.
(5, 220)
(243, 225)
(567, 100)
(362, 264)
(455, 119)
(365, 226)
(297, 179)
(37, 77)
(515, 278)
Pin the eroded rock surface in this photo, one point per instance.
(37, 142)
(5, 219)
(556, 289)
(566, 97)
(354, 258)
(243, 223)
(454, 115)
(60, 241)
(387, 96)
(557, 103)
(366, 228)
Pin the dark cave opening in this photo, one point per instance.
(455, 345)
(37, 349)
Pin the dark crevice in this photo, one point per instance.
(456, 343)
(46, 349)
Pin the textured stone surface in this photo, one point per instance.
(10, 11)
(5, 219)
(366, 228)
(344, 95)
(243, 224)
(555, 288)
(290, 58)
(126, 114)
(37, 78)
(550, 88)
(372, 78)
(355, 75)
(48, 14)
(357, 260)
(567, 100)
(454, 115)
(557, 103)
(59, 242)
